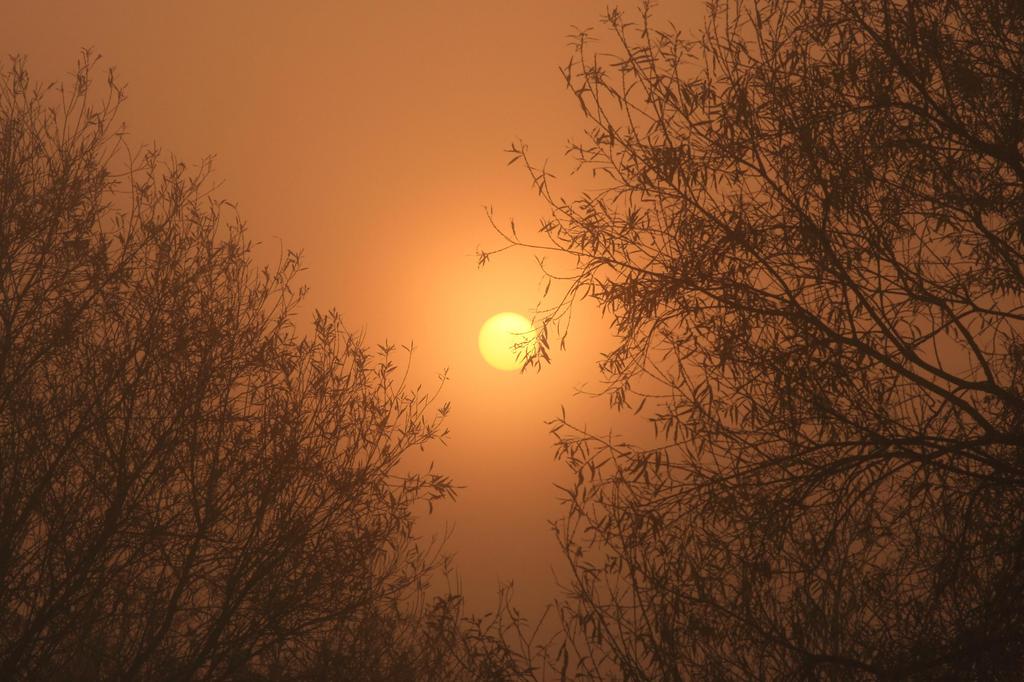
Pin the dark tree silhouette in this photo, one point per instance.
(810, 239)
(190, 488)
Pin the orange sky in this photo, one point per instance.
(370, 135)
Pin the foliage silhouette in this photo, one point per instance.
(189, 488)
(809, 235)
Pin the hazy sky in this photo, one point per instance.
(370, 136)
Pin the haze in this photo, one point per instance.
(370, 137)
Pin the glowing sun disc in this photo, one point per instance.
(505, 339)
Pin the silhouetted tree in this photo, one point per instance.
(809, 235)
(437, 641)
(190, 488)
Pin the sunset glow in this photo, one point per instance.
(506, 339)
(272, 276)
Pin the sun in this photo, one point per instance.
(505, 339)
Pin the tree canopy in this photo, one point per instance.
(808, 234)
(190, 487)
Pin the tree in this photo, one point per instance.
(189, 487)
(809, 237)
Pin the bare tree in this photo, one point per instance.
(809, 236)
(189, 487)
